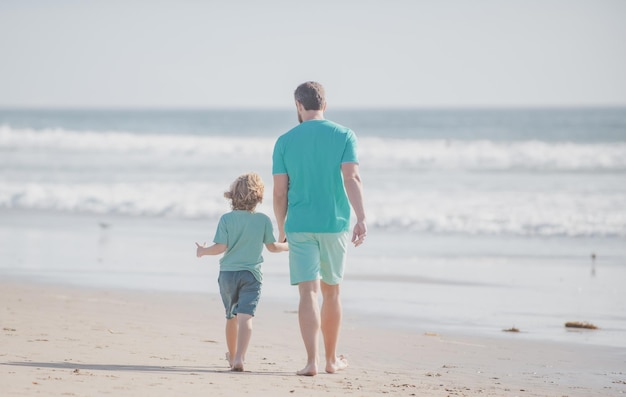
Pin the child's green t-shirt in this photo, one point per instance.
(244, 233)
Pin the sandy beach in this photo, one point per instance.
(69, 341)
(490, 139)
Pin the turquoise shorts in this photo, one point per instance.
(314, 256)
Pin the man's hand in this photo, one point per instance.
(359, 233)
(282, 238)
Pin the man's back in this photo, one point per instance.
(311, 155)
(316, 180)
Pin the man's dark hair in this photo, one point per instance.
(311, 95)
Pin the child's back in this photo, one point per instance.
(241, 235)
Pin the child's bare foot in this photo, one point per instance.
(337, 365)
(309, 370)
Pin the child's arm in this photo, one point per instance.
(215, 249)
(277, 247)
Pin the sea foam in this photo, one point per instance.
(529, 188)
(387, 153)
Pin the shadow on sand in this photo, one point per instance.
(76, 367)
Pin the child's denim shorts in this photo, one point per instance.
(240, 292)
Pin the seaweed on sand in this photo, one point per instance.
(578, 324)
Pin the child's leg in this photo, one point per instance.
(243, 340)
(230, 296)
(232, 329)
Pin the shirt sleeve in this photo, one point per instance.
(349, 153)
(269, 232)
(278, 161)
(221, 234)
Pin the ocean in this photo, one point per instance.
(480, 219)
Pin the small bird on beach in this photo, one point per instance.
(593, 264)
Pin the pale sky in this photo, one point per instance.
(384, 53)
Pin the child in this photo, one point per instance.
(241, 234)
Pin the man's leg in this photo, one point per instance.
(309, 318)
(331, 325)
(244, 322)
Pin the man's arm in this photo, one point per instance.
(354, 189)
(281, 186)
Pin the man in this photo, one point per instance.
(316, 179)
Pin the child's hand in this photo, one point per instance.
(277, 247)
(200, 249)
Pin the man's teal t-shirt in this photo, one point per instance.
(311, 155)
(244, 233)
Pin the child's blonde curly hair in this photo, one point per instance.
(246, 192)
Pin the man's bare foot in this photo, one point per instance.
(309, 370)
(230, 363)
(340, 363)
(237, 367)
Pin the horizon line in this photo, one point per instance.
(290, 108)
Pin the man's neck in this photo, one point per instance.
(312, 115)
